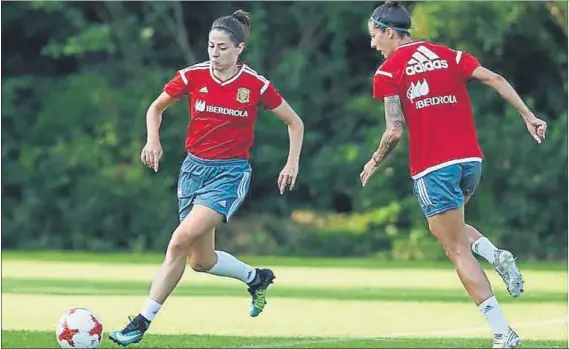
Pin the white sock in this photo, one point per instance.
(491, 311)
(150, 309)
(229, 266)
(484, 248)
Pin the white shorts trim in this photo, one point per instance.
(423, 194)
(445, 164)
(241, 192)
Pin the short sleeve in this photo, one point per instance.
(466, 64)
(178, 86)
(270, 97)
(383, 85)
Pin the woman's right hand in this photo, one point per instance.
(536, 128)
(152, 154)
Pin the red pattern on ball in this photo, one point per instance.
(67, 334)
(97, 328)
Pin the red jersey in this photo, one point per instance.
(431, 82)
(222, 113)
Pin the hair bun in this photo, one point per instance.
(243, 17)
(393, 4)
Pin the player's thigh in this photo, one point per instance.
(200, 222)
(439, 191)
(204, 243)
(448, 228)
(226, 189)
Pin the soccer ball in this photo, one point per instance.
(79, 328)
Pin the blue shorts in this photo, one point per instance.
(444, 189)
(218, 184)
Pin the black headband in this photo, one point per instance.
(228, 30)
(380, 24)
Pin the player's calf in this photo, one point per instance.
(470, 272)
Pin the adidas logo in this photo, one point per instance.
(487, 309)
(424, 60)
(203, 90)
(420, 89)
(223, 203)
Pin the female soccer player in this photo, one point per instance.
(223, 98)
(424, 85)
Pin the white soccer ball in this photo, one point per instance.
(79, 328)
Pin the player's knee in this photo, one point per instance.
(456, 251)
(180, 244)
(177, 249)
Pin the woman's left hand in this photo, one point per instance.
(369, 170)
(287, 177)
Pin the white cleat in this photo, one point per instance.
(510, 339)
(505, 266)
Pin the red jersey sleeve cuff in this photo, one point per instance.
(172, 92)
(470, 69)
(274, 103)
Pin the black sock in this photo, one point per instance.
(142, 322)
(256, 279)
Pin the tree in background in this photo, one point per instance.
(78, 77)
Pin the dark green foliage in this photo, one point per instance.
(77, 78)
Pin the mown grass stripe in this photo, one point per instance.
(41, 339)
(155, 258)
(90, 287)
(300, 277)
(288, 317)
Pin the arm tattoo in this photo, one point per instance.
(393, 112)
(394, 127)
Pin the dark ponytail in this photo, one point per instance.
(243, 17)
(393, 4)
(392, 15)
(236, 25)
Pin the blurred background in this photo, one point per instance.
(77, 78)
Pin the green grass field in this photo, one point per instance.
(314, 303)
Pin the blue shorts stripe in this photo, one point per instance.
(424, 192)
(420, 194)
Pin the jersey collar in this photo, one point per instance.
(410, 44)
(228, 81)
